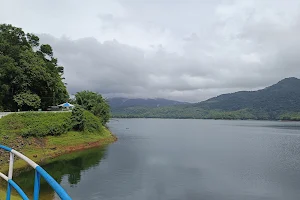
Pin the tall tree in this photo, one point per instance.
(28, 70)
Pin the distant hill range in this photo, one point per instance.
(279, 101)
(119, 103)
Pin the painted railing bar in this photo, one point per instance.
(10, 173)
(18, 189)
(57, 188)
(8, 191)
(5, 148)
(3, 176)
(36, 190)
(11, 165)
(30, 162)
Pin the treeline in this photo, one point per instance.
(186, 112)
(291, 116)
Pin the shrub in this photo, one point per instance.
(83, 120)
(77, 119)
(91, 122)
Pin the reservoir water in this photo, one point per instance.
(165, 159)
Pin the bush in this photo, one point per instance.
(91, 122)
(83, 120)
(94, 103)
(77, 119)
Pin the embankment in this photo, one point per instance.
(45, 135)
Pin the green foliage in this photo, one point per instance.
(40, 124)
(95, 103)
(77, 119)
(26, 70)
(91, 122)
(27, 100)
(83, 120)
(294, 116)
(36, 124)
(46, 49)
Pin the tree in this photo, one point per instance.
(27, 100)
(26, 67)
(95, 103)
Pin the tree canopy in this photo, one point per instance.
(30, 77)
(95, 103)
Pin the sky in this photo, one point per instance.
(187, 50)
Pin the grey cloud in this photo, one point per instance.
(184, 50)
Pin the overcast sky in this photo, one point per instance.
(178, 49)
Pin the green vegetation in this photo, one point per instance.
(291, 116)
(46, 123)
(94, 103)
(279, 101)
(30, 77)
(41, 135)
(186, 112)
(35, 124)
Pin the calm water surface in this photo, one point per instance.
(160, 159)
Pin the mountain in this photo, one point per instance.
(119, 104)
(279, 101)
(282, 96)
(125, 102)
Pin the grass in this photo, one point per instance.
(41, 148)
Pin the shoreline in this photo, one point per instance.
(49, 148)
(272, 120)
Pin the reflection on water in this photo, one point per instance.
(70, 166)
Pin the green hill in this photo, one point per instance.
(279, 101)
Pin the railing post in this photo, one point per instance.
(36, 190)
(8, 191)
(11, 165)
(10, 174)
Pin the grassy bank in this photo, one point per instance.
(45, 135)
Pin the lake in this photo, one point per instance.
(168, 159)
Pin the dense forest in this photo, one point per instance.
(30, 77)
(279, 101)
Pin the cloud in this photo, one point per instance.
(184, 50)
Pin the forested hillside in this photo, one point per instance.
(122, 105)
(279, 101)
(30, 77)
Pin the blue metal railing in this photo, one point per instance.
(39, 171)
